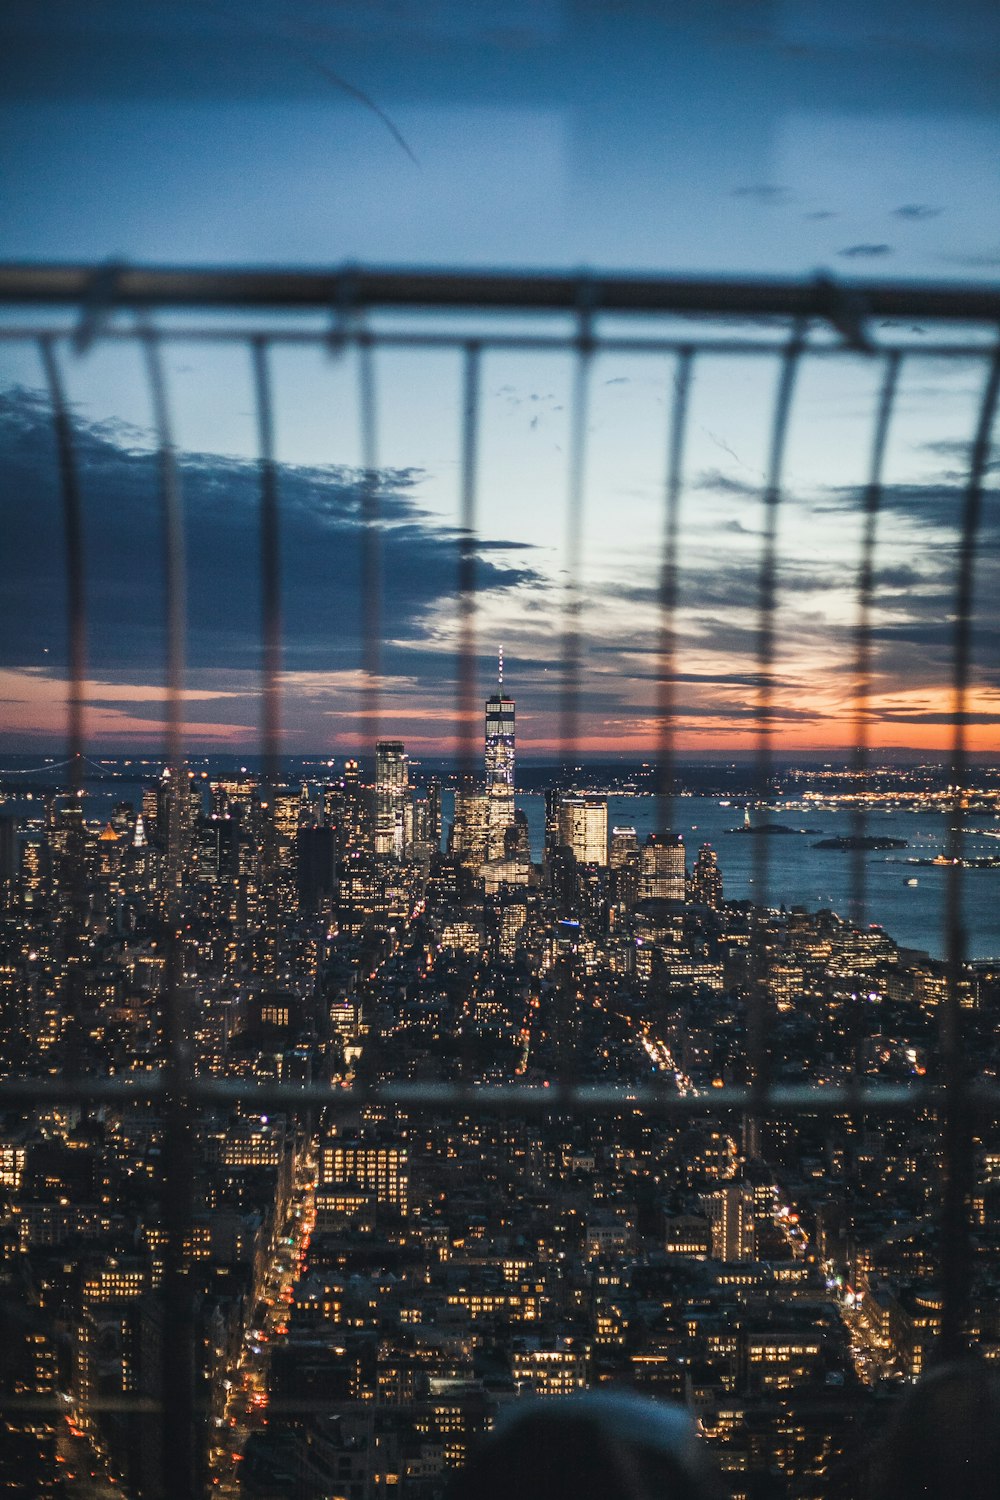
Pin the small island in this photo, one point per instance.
(866, 841)
(768, 830)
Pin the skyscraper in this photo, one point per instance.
(469, 831)
(356, 811)
(733, 1223)
(661, 869)
(8, 861)
(499, 767)
(173, 821)
(706, 879)
(583, 827)
(391, 786)
(624, 848)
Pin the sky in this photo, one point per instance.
(757, 136)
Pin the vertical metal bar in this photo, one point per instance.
(174, 570)
(872, 500)
(270, 599)
(669, 591)
(76, 621)
(569, 703)
(862, 630)
(466, 666)
(371, 547)
(956, 1259)
(180, 1447)
(270, 565)
(73, 927)
(568, 998)
(766, 599)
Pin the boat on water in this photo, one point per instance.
(911, 880)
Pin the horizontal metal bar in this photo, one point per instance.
(982, 1100)
(497, 342)
(347, 287)
(63, 1405)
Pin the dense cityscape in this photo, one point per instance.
(373, 1286)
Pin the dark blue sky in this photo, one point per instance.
(758, 134)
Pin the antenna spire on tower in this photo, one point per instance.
(500, 667)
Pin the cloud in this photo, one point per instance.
(499, 544)
(983, 260)
(936, 717)
(519, 600)
(763, 192)
(116, 713)
(897, 576)
(865, 251)
(321, 538)
(942, 506)
(715, 479)
(960, 453)
(916, 211)
(923, 506)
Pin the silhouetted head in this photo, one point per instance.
(944, 1440)
(592, 1446)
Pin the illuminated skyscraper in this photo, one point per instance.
(391, 786)
(583, 827)
(469, 831)
(499, 767)
(173, 821)
(706, 879)
(733, 1224)
(8, 861)
(661, 868)
(360, 806)
(624, 848)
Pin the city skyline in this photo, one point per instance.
(381, 1281)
